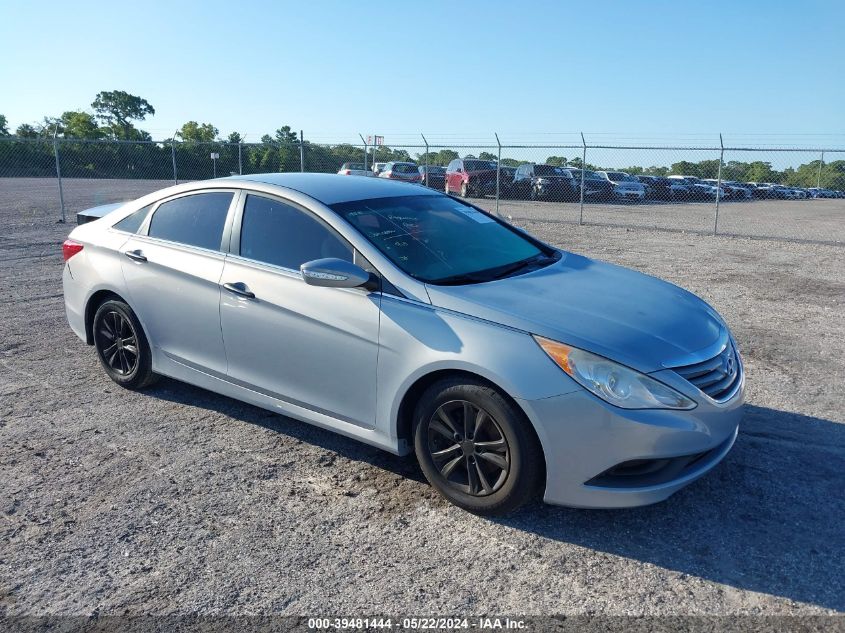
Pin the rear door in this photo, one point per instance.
(172, 268)
(310, 346)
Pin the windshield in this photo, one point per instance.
(479, 165)
(405, 168)
(549, 170)
(358, 166)
(617, 176)
(438, 239)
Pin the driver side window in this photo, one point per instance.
(280, 234)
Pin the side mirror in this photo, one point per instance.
(334, 273)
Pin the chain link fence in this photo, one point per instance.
(784, 193)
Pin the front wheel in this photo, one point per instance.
(121, 345)
(475, 448)
(464, 190)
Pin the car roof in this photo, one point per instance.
(333, 188)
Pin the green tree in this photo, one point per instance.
(198, 132)
(488, 156)
(25, 130)
(117, 109)
(760, 171)
(4, 125)
(234, 138)
(78, 124)
(560, 161)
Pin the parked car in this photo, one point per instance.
(596, 188)
(415, 322)
(544, 182)
(732, 191)
(354, 169)
(625, 186)
(433, 176)
(699, 189)
(817, 192)
(657, 187)
(506, 185)
(762, 189)
(471, 177)
(396, 170)
(378, 167)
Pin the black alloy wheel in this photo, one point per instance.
(469, 448)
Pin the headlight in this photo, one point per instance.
(614, 383)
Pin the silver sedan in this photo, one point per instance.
(415, 322)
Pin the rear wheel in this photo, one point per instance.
(475, 448)
(464, 190)
(121, 345)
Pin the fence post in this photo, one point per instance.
(583, 169)
(819, 175)
(240, 161)
(719, 183)
(59, 173)
(426, 158)
(301, 151)
(173, 158)
(365, 150)
(498, 172)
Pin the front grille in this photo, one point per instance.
(717, 376)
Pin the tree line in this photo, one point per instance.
(115, 115)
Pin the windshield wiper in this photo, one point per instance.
(532, 263)
(535, 261)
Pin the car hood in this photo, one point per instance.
(632, 318)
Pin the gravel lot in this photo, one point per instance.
(178, 500)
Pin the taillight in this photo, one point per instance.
(347, 172)
(388, 174)
(70, 248)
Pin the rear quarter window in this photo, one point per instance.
(132, 222)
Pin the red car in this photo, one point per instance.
(406, 172)
(471, 177)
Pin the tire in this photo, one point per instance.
(464, 190)
(534, 195)
(128, 362)
(446, 187)
(490, 476)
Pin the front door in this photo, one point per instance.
(310, 346)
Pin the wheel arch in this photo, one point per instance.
(405, 414)
(97, 299)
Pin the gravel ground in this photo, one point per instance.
(177, 500)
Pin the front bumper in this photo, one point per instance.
(584, 438)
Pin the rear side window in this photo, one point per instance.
(279, 234)
(131, 223)
(195, 220)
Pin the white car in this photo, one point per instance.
(625, 186)
(354, 169)
(378, 168)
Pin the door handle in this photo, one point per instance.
(240, 288)
(136, 255)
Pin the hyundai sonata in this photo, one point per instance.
(415, 322)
